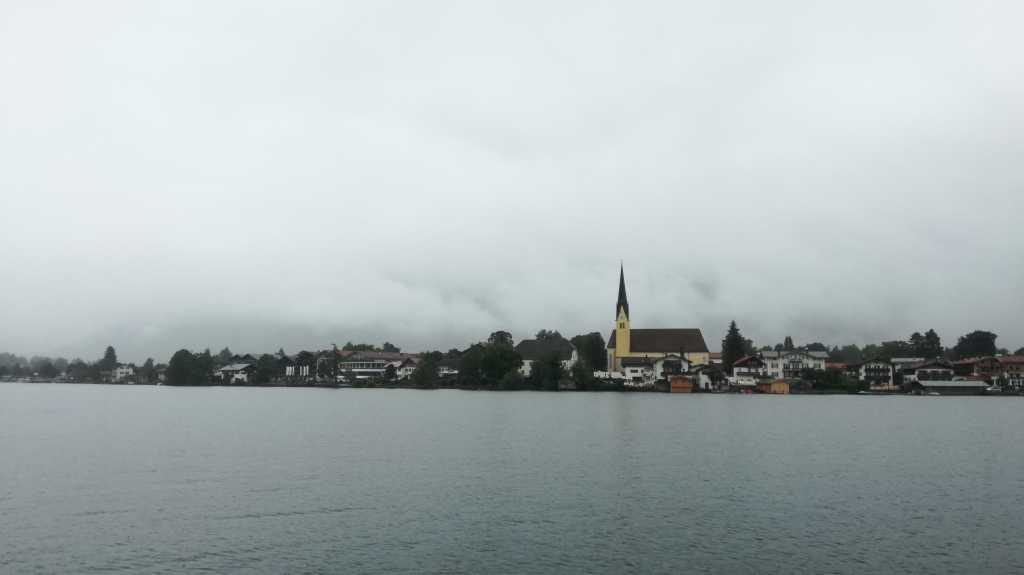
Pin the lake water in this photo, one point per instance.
(105, 479)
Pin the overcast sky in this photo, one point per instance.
(292, 174)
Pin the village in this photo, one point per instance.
(673, 360)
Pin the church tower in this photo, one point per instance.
(621, 321)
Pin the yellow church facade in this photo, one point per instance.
(651, 344)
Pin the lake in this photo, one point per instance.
(108, 479)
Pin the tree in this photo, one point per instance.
(47, 370)
(204, 366)
(547, 335)
(181, 369)
(816, 346)
(390, 373)
(224, 357)
(787, 345)
(500, 338)
(591, 351)
(976, 344)
(425, 374)
(109, 361)
(389, 347)
(583, 376)
(733, 347)
(932, 344)
(497, 360)
(547, 371)
(1019, 351)
(851, 354)
(470, 366)
(267, 369)
(349, 346)
(147, 373)
(748, 347)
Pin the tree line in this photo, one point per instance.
(928, 345)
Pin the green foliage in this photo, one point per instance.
(390, 373)
(816, 346)
(500, 338)
(1019, 351)
(349, 346)
(425, 374)
(733, 347)
(832, 381)
(181, 369)
(547, 335)
(187, 368)
(147, 373)
(267, 369)
(224, 357)
(512, 381)
(497, 361)
(47, 370)
(109, 360)
(583, 376)
(787, 345)
(976, 344)
(389, 347)
(592, 351)
(547, 371)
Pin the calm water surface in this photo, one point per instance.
(102, 479)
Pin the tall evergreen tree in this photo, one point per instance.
(109, 360)
(733, 347)
(787, 345)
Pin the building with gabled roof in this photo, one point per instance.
(532, 350)
(627, 342)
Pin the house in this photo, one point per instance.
(899, 366)
(715, 358)
(368, 364)
(235, 373)
(532, 350)
(407, 366)
(1011, 370)
(877, 373)
(984, 367)
(639, 371)
(931, 370)
(790, 364)
(708, 377)
(626, 342)
(123, 374)
(747, 372)
(748, 365)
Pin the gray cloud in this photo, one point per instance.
(259, 175)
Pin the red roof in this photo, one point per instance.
(1011, 359)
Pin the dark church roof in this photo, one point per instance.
(686, 340)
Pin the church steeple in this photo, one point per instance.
(623, 303)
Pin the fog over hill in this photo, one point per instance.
(262, 175)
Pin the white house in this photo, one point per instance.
(877, 372)
(789, 364)
(235, 373)
(122, 373)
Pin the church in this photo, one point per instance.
(649, 345)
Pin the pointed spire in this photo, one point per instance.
(623, 303)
